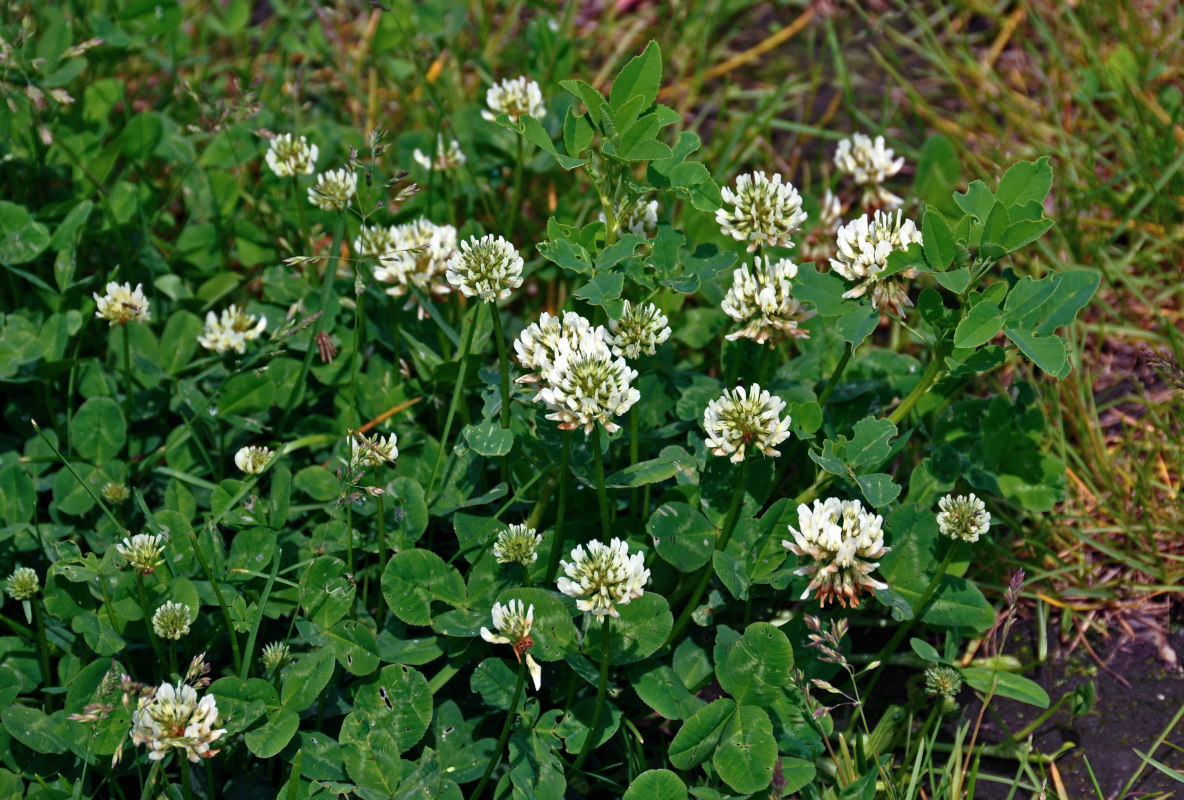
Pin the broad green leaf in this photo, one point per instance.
(699, 735)
(328, 592)
(398, 700)
(879, 488)
(938, 241)
(494, 680)
(488, 438)
(660, 688)
(141, 135)
(1025, 182)
(956, 280)
(593, 100)
(980, 326)
(603, 290)
(937, 172)
(977, 201)
(757, 666)
(98, 633)
(575, 726)
(533, 130)
(644, 473)
(640, 78)
(732, 572)
(926, 651)
(98, 431)
(273, 735)
(22, 239)
(1007, 684)
(577, 133)
(1072, 293)
(871, 444)
(414, 579)
(307, 678)
(1022, 233)
(370, 756)
(682, 535)
(747, 751)
(178, 343)
(1046, 352)
(824, 290)
(554, 633)
(642, 628)
(246, 394)
(857, 324)
(566, 254)
(656, 784)
(355, 646)
(32, 728)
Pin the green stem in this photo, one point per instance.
(708, 569)
(349, 540)
(302, 234)
(205, 566)
(150, 784)
(505, 735)
(516, 197)
(359, 323)
(173, 657)
(601, 490)
(42, 651)
(503, 362)
(557, 544)
(526, 576)
(127, 391)
(460, 382)
(634, 449)
(601, 692)
(380, 616)
(186, 789)
(157, 649)
(838, 373)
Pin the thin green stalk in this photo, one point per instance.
(380, 615)
(505, 735)
(503, 363)
(302, 234)
(42, 651)
(127, 388)
(706, 571)
(186, 789)
(349, 542)
(205, 566)
(157, 649)
(173, 658)
(634, 449)
(601, 490)
(516, 198)
(834, 378)
(601, 691)
(557, 543)
(85, 485)
(460, 382)
(150, 784)
(359, 323)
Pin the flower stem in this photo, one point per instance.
(173, 658)
(463, 357)
(505, 735)
(42, 651)
(601, 690)
(634, 450)
(706, 571)
(302, 234)
(557, 544)
(186, 789)
(516, 197)
(127, 390)
(834, 378)
(359, 323)
(380, 616)
(601, 490)
(499, 336)
(146, 611)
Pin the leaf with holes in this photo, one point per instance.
(399, 701)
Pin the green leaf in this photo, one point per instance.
(533, 130)
(355, 646)
(307, 678)
(660, 688)
(747, 751)
(1074, 289)
(328, 592)
(1046, 352)
(625, 247)
(593, 100)
(413, 579)
(371, 756)
(980, 326)
(178, 343)
(98, 633)
(732, 572)
(98, 431)
(644, 473)
(857, 324)
(757, 666)
(1023, 233)
(22, 239)
(977, 201)
(871, 444)
(956, 280)
(577, 133)
(604, 290)
(494, 680)
(937, 171)
(246, 394)
(141, 135)
(34, 729)
(927, 651)
(878, 487)
(1007, 684)
(824, 290)
(682, 535)
(273, 736)
(640, 78)
(656, 784)
(642, 629)
(488, 438)
(554, 633)
(398, 700)
(566, 254)
(699, 735)
(938, 241)
(1025, 182)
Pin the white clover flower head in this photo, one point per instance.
(830, 214)
(274, 655)
(864, 245)
(765, 212)
(761, 298)
(445, 159)
(289, 155)
(142, 552)
(252, 459)
(963, 517)
(373, 451)
(231, 331)
(639, 216)
(604, 577)
(640, 329)
(22, 584)
(173, 717)
(121, 304)
(333, 189)
(584, 385)
(374, 240)
(114, 492)
(171, 621)
(536, 346)
(840, 539)
(417, 255)
(513, 622)
(489, 268)
(745, 418)
(519, 543)
(870, 163)
(514, 97)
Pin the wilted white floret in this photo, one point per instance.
(743, 418)
(537, 344)
(489, 268)
(604, 577)
(864, 245)
(114, 492)
(963, 517)
(173, 717)
(374, 240)
(840, 538)
(514, 97)
(121, 304)
(761, 298)
(639, 217)
(518, 544)
(584, 385)
(766, 212)
(334, 189)
(290, 155)
(252, 459)
(513, 622)
(171, 621)
(22, 584)
(231, 331)
(142, 552)
(870, 163)
(445, 158)
(275, 654)
(640, 329)
(373, 451)
(417, 254)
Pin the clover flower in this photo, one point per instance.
(231, 331)
(488, 268)
(252, 459)
(604, 577)
(943, 681)
(870, 163)
(514, 97)
(742, 418)
(864, 245)
(513, 622)
(536, 346)
(289, 155)
(640, 329)
(417, 255)
(841, 539)
(766, 212)
(963, 517)
(761, 298)
(274, 655)
(520, 543)
(639, 216)
(121, 304)
(446, 157)
(584, 386)
(142, 552)
(171, 621)
(22, 584)
(373, 451)
(333, 189)
(374, 240)
(114, 492)
(173, 717)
